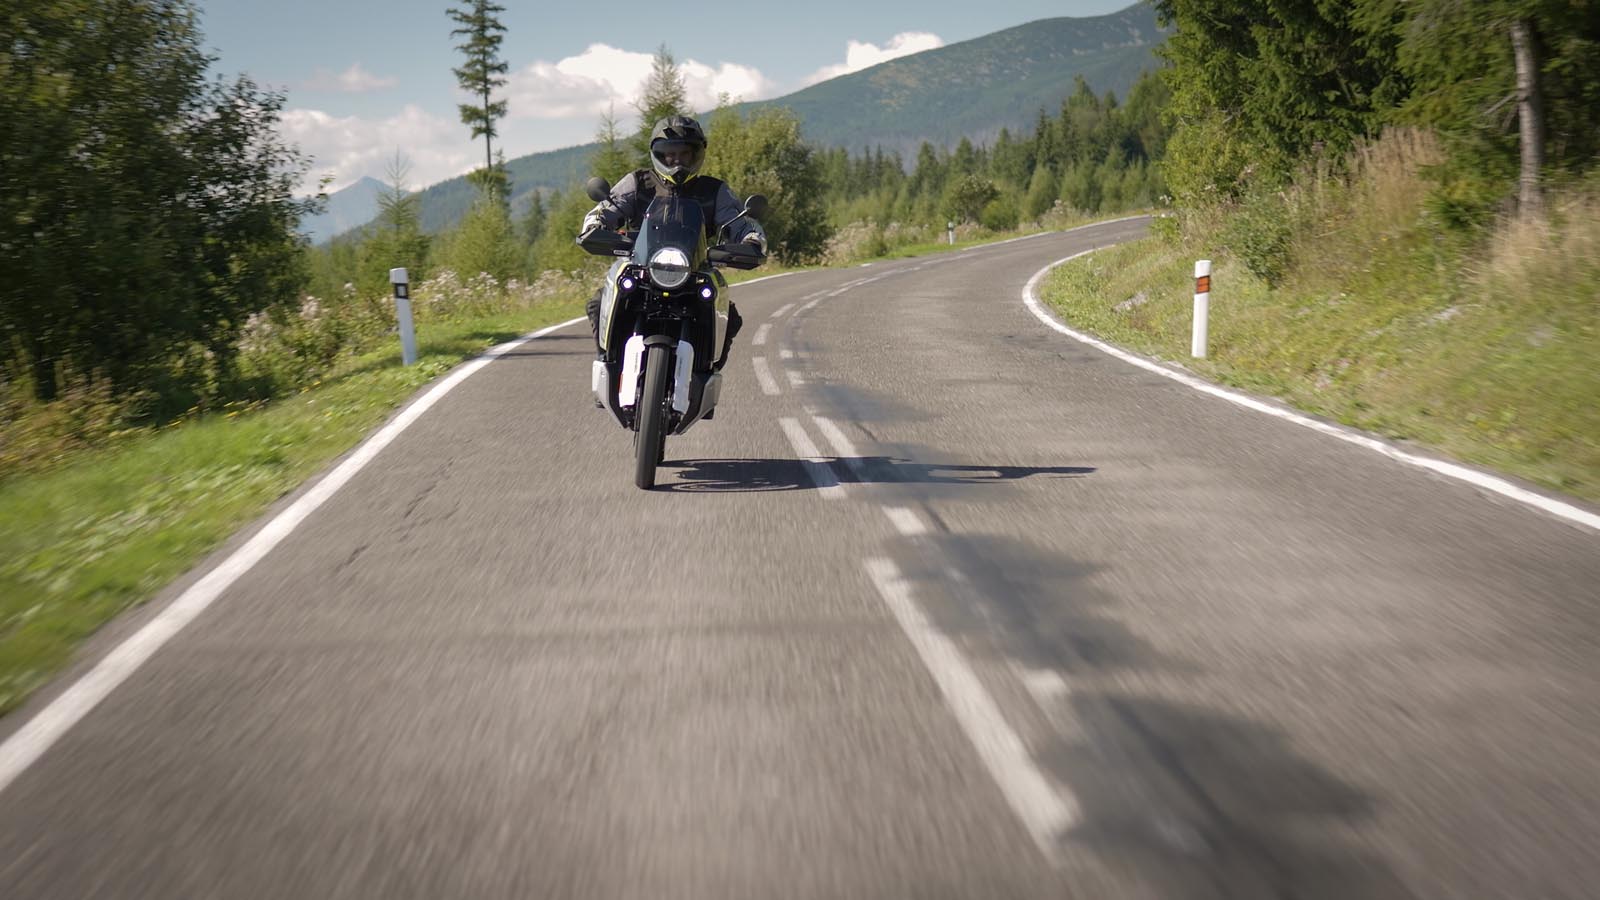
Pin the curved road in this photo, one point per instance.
(942, 604)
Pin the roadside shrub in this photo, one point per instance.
(1259, 232)
(1000, 214)
(86, 412)
(967, 196)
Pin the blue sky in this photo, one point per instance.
(367, 78)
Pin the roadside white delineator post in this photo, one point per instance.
(951, 228)
(1202, 307)
(402, 311)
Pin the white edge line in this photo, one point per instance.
(1449, 470)
(820, 473)
(759, 280)
(33, 739)
(1043, 811)
(764, 375)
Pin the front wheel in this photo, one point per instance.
(650, 443)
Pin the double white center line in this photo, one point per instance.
(811, 459)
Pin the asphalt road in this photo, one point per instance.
(942, 604)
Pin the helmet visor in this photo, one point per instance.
(673, 154)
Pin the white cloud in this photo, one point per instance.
(354, 80)
(601, 77)
(860, 55)
(550, 105)
(349, 147)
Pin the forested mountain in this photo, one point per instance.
(971, 89)
(974, 88)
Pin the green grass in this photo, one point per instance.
(1389, 332)
(108, 530)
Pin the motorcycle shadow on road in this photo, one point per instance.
(750, 475)
(1175, 797)
(1194, 803)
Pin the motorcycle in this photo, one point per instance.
(661, 310)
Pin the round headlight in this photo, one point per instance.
(669, 267)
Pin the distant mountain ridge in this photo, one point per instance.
(347, 208)
(976, 87)
(969, 89)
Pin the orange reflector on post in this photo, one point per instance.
(1202, 285)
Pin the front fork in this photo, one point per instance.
(694, 394)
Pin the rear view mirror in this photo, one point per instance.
(598, 189)
(756, 206)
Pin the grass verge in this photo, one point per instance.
(1486, 354)
(105, 532)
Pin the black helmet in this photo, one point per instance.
(677, 148)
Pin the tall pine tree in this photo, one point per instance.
(481, 75)
(665, 94)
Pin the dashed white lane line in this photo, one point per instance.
(1044, 812)
(811, 459)
(794, 378)
(786, 354)
(779, 312)
(1500, 486)
(33, 739)
(906, 521)
(761, 334)
(808, 306)
(769, 385)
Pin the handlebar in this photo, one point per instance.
(738, 255)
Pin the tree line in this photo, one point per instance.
(1093, 154)
(1260, 87)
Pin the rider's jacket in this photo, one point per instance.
(631, 196)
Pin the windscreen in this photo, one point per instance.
(672, 222)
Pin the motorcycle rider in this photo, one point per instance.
(677, 150)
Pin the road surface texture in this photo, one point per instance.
(942, 605)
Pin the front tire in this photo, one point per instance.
(650, 444)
